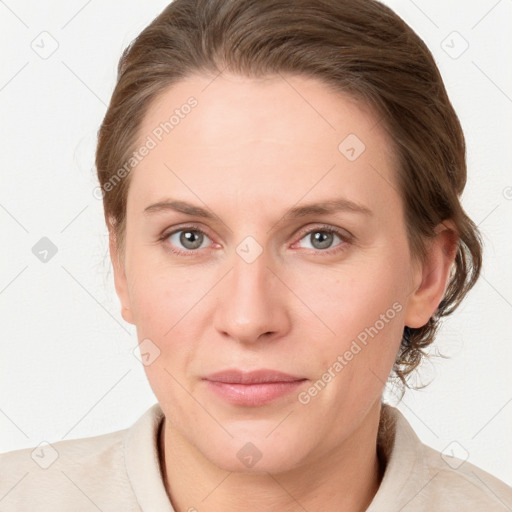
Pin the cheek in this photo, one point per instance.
(364, 308)
(362, 304)
(170, 307)
(353, 298)
(166, 304)
(160, 295)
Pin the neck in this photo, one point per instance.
(347, 479)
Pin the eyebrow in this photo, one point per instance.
(321, 208)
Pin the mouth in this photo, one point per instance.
(254, 388)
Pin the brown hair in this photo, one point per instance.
(359, 47)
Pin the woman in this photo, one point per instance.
(281, 184)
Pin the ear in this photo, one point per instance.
(120, 278)
(431, 277)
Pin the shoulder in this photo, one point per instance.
(418, 478)
(461, 483)
(74, 474)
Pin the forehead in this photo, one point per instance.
(255, 135)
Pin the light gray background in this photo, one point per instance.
(67, 364)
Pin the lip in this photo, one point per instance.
(254, 388)
(263, 375)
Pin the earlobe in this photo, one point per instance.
(127, 315)
(120, 279)
(434, 276)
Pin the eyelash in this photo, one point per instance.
(345, 239)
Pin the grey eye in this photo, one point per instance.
(321, 238)
(188, 238)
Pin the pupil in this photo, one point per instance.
(323, 238)
(191, 240)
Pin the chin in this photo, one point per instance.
(254, 453)
(270, 462)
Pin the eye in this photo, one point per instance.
(186, 240)
(189, 239)
(322, 238)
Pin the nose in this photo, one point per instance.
(251, 303)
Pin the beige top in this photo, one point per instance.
(120, 471)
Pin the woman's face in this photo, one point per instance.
(262, 282)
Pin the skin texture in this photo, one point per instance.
(250, 150)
